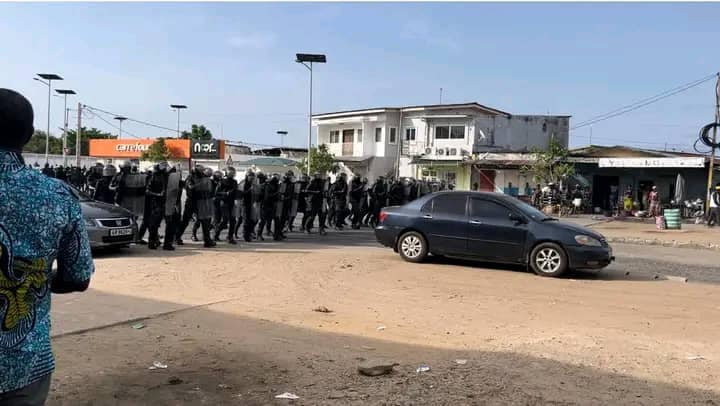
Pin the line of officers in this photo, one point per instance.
(253, 208)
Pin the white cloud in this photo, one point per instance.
(251, 41)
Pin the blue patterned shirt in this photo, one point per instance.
(40, 222)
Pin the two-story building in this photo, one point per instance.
(463, 144)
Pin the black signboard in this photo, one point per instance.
(205, 149)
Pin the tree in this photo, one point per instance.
(86, 136)
(198, 132)
(36, 144)
(549, 165)
(158, 151)
(321, 160)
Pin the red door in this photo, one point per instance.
(487, 181)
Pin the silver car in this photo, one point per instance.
(107, 225)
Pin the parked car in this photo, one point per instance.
(108, 226)
(491, 227)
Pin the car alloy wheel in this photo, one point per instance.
(411, 246)
(548, 260)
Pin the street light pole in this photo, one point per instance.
(310, 58)
(65, 93)
(282, 135)
(49, 77)
(177, 108)
(120, 119)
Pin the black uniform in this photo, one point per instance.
(155, 196)
(396, 194)
(356, 195)
(249, 218)
(339, 194)
(378, 197)
(271, 195)
(283, 218)
(103, 193)
(189, 209)
(316, 200)
(302, 206)
(225, 198)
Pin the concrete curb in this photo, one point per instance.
(665, 243)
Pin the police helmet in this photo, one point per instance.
(208, 172)
(109, 171)
(230, 172)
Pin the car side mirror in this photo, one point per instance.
(517, 218)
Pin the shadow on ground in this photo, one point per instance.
(217, 358)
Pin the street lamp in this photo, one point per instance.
(65, 93)
(120, 119)
(307, 61)
(177, 108)
(282, 135)
(49, 77)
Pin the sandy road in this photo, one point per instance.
(597, 339)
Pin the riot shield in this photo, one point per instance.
(204, 199)
(325, 190)
(257, 196)
(297, 186)
(280, 202)
(172, 191)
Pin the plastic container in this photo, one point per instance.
(672, 219)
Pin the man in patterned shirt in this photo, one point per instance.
(40, 222)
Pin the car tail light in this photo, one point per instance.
(382, 217)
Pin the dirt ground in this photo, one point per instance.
(236, 326)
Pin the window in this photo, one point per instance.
(359, 135)
(442, 133)
(457, 132)
(378, 134)
(452, 204)
(393, 135)
(445, 132)
(480, 208)
(409, 134)
(334, 137)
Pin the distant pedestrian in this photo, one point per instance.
(40, 223)
(714, 217)
(654, 198)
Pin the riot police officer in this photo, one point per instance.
(104, 190)
(356, 194)
(155, 196)
(316, 203)
(270, 200)
(225, 198)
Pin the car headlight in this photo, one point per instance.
(90, 223)
(587, 240)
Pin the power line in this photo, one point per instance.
(644, 102)
(116, 127)
(174, 130)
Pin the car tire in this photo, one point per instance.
(412, 247)
(548, 259)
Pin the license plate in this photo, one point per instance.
(121, 231)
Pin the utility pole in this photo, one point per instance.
(78, 136)
(591, 134)
(441, 95)
(714, 140)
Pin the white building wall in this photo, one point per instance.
(519, 133)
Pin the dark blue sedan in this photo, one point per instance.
(490, 227)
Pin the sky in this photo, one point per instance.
(233, 63)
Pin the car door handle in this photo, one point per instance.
(476, 222)
(427, 216)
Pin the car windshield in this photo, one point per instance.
(530, 211)
(81, 196)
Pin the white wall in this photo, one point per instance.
(519, 133)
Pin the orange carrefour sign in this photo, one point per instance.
(133, 148)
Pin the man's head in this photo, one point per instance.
(16, 120)
(109, 171)
(317, 175)
(230, 172)
(654, 188)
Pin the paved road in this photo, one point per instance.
(641, 262)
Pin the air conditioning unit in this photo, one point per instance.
(428, 151)
(440, 151)
(453, 151)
